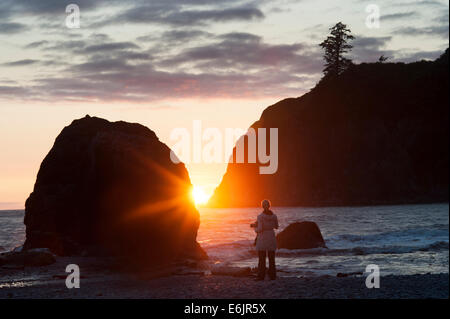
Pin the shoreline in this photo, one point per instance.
(338, 205)
(97, 281)
(325, 205)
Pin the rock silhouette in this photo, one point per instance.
(300, 235)
(377, 134)
(28, 258)
(111, 188)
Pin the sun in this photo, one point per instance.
(199, 195)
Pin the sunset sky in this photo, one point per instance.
(166, 63)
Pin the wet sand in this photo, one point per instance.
(99, 282)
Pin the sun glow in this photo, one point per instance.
(199, 195)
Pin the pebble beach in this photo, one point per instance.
(195, 283)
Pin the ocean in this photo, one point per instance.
(401, 240)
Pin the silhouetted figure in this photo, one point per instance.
(266, 242)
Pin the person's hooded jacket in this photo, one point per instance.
(267, 222)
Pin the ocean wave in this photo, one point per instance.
(437, 246)
(364, 250)
(418, 235)
(245, 250)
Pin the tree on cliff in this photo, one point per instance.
(382, 59)
(335, 46)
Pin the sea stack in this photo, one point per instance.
(301, 235)
(112, 187)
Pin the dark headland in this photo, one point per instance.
(377, 134)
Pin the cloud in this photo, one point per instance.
(175, 36)
(437, 30)
(104, 65)
(235, 51)
(12, 27)
(112, 46)
(67, 45)
(20, 63)
(401, 56)
(369, 49)
(36, 44)
(13, 91)
(126, 72)
(241, 36)
(370, 42)
(399, 16)
(182, 57)
(179, 17)
(217, 10)
(144, 84)
(101, 37)
(444, 17)
(424, 3)
(130, 56)
(44, 7)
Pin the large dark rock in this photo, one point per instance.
(377, 134)
(112, 186)
(300, 235)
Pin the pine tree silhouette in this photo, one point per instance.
(335, 47)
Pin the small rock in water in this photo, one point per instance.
(18, 249)
(301, 235)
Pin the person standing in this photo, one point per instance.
(266, 242)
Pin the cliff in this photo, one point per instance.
(378, 134)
